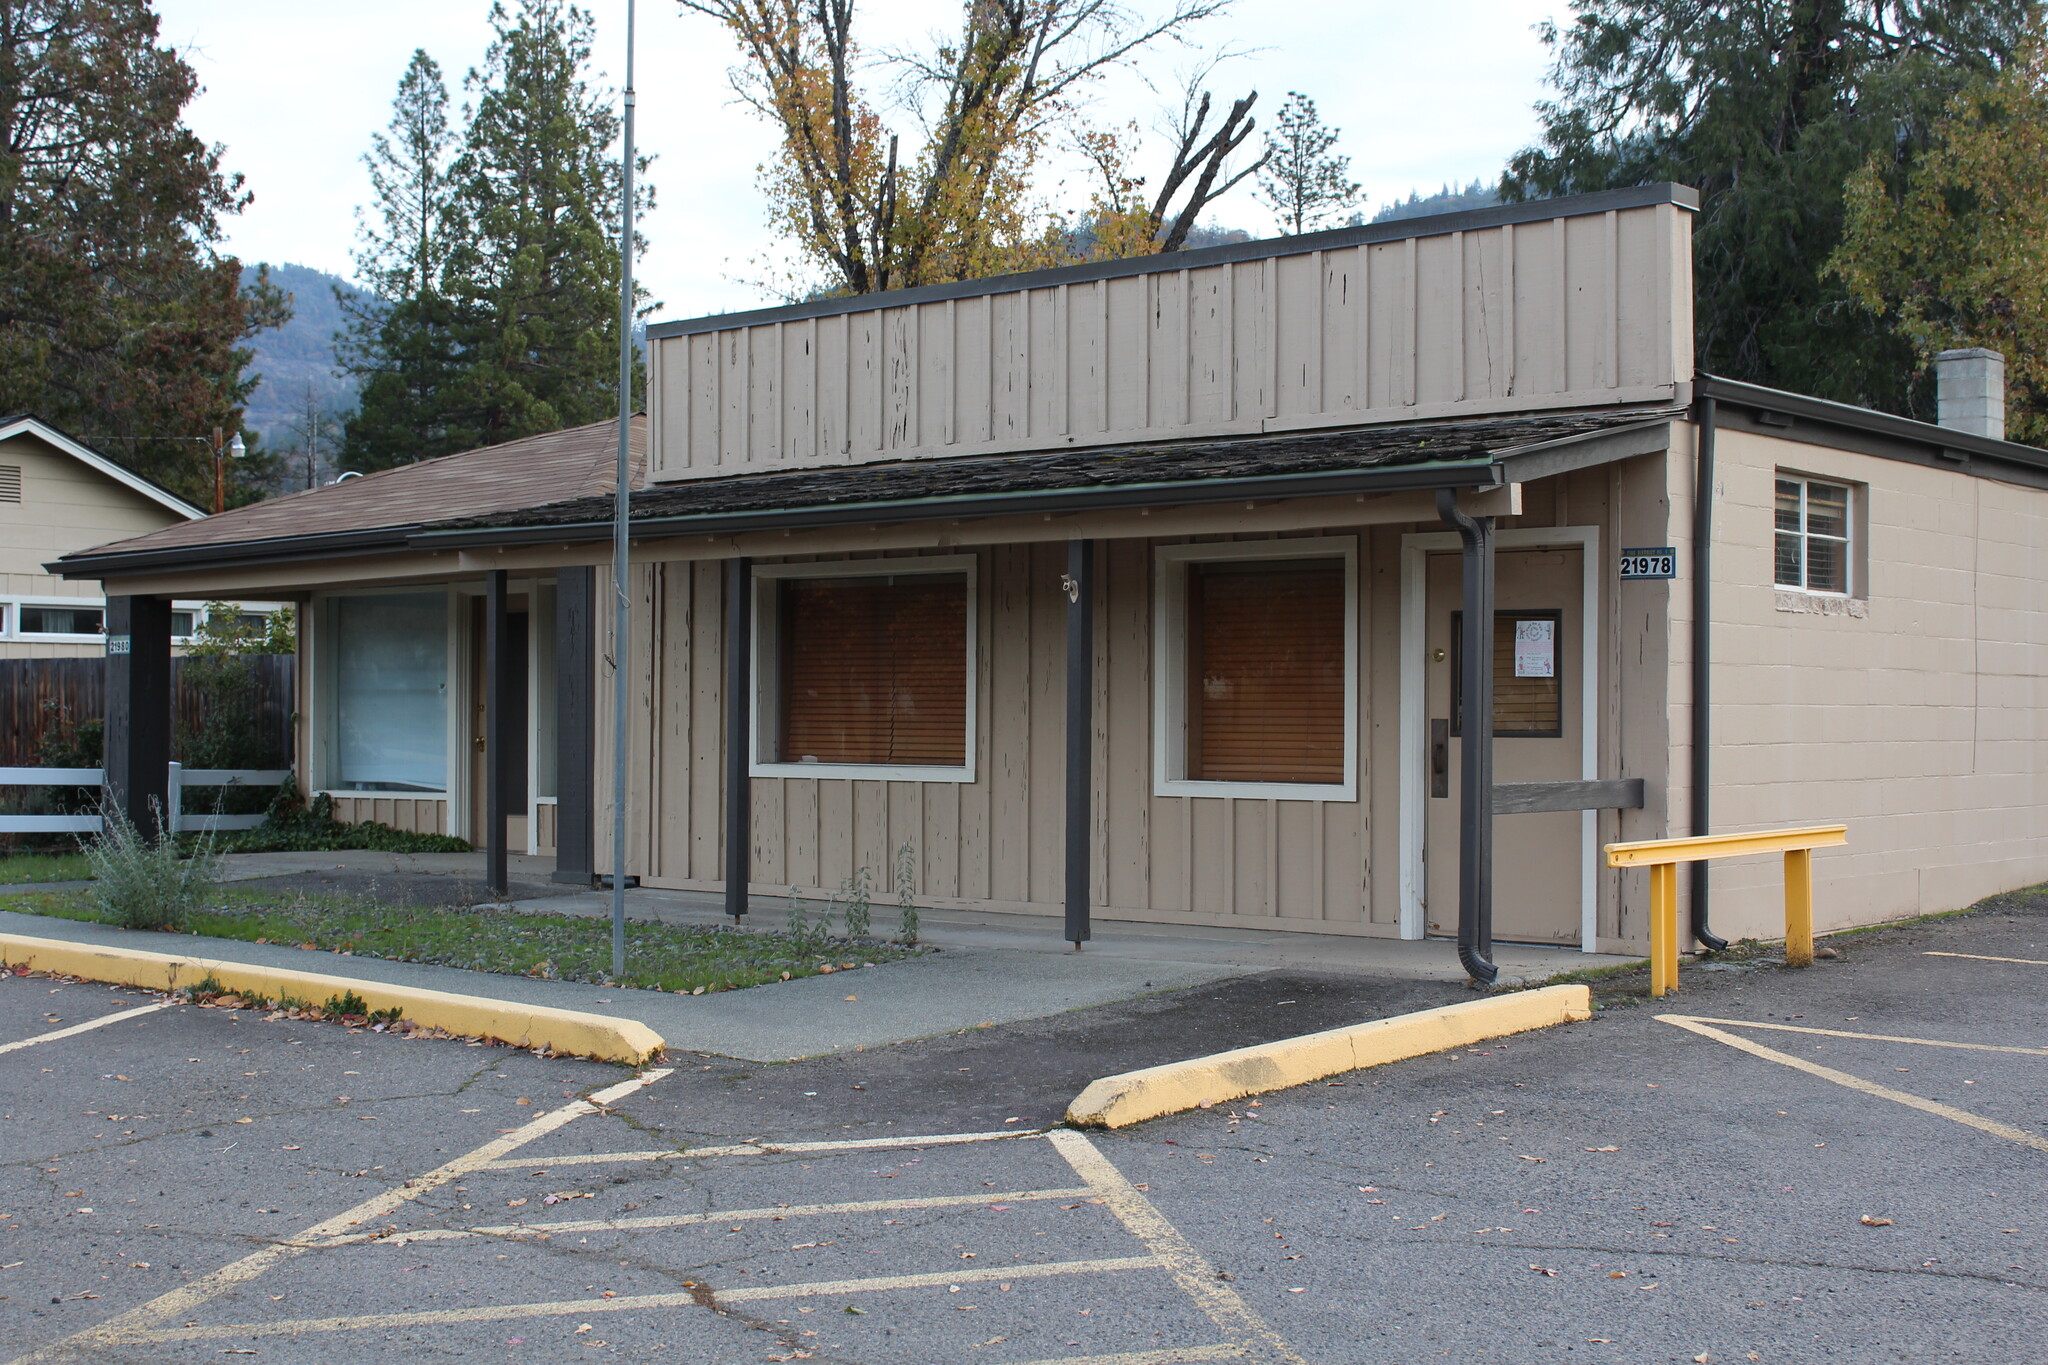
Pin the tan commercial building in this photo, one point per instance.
(1155, 590)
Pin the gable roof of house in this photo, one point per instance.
(24, 424)
(381, 509)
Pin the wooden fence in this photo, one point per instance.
(40, 697)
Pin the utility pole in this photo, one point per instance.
(622, 503)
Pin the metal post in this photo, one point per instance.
(1475, 754)
(1080, 847)
(1799, 907)
(739, 713)
(622, 501)
(1663, 928)
(575, 728)
(138, 711)
(498, 744)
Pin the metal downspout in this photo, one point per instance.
(1702, 660)
(1475, 756)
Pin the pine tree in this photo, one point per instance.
(119, 320)
(533, 268)
(1766, 109)
(400, 339)
(1302, 181)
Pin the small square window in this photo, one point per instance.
(1812, 550)
(1528, 689)
(181, 625)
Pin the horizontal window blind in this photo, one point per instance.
(1527, 702)
(874, 670)
(1266, 672)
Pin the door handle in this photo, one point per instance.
(1440, 758)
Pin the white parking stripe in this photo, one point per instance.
(1189, 1268)
(1227, 1350)
(685, 1220)
(1983, 957)
(765, 1148)
(1872, 1037)
(179, 1302)
(88, 1025)
(626, 1303)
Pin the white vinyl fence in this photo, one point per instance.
(181, 777)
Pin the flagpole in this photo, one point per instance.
(622, 588)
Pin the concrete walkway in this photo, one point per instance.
(992, 968)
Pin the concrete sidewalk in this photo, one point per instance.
(992, 968)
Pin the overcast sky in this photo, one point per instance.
(1424, 93)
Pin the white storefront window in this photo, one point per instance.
(391, 692)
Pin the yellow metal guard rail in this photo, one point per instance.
(1662, 857)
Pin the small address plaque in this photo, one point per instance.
(1657, 562)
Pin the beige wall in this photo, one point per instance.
(413, 814)
(65, 506)
(1594, 308)
(1919, 715)
(997, 842)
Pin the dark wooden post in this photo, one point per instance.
(499, 743)
(575, 725)
(138, 721)
(739, 715)
(1080, 588)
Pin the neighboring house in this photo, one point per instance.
(1140, 590)
(58, 496)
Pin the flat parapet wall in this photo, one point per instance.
(1565, 303)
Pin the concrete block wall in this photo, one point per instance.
(1916, 711)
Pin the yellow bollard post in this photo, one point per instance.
(1663, 928)
(1799, 907)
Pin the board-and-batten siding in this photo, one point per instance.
(1555, 313)
(414, 815)
(995, 842)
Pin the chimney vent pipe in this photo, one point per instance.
(1970, 392)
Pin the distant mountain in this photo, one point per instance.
(1450, 199)
(298, 356)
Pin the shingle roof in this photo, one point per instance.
(1101, 467)
(577, 463)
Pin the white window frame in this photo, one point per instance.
(67, 637)
(317, 656)
(1852, 494)
(763, 738)
(1170, 667)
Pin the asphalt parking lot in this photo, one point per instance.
(1837, 1164)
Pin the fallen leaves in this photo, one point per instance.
(1544, 1270)
(1871, 1222)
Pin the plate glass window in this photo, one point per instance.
(1813, 536)
(1266, 671)
(873, 670)
(391, 692)
(37, 620)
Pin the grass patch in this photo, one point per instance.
(18, 868)
(668, 957)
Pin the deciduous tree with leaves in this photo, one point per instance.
(120, 321)
(1303, 181)
(867, 213)
(1955, 255)
(1765, 107)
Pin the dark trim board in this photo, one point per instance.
(1336, 239)
(1534, 798)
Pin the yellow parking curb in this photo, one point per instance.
(570, 1032)
(1133, 1097)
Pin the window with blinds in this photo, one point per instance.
(872, 670)
(1266, 671)
(1528, 689)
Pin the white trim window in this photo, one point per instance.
(385, 677)
(1812, 552)
(1255, 676)
(866, 669)
(69, 620)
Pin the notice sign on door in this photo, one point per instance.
(1535, 649)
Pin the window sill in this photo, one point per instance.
(863, 772)
(1257, 791)
(1821, 604)
(385, 794)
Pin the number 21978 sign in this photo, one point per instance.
(1660, 562)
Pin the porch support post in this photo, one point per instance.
(1475, 755)
(1080, 588)
(575, 724)
(739, 718)
(498, 741)
(138, 719)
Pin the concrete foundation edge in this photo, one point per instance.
(569, 1032)
(1134, 1096)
